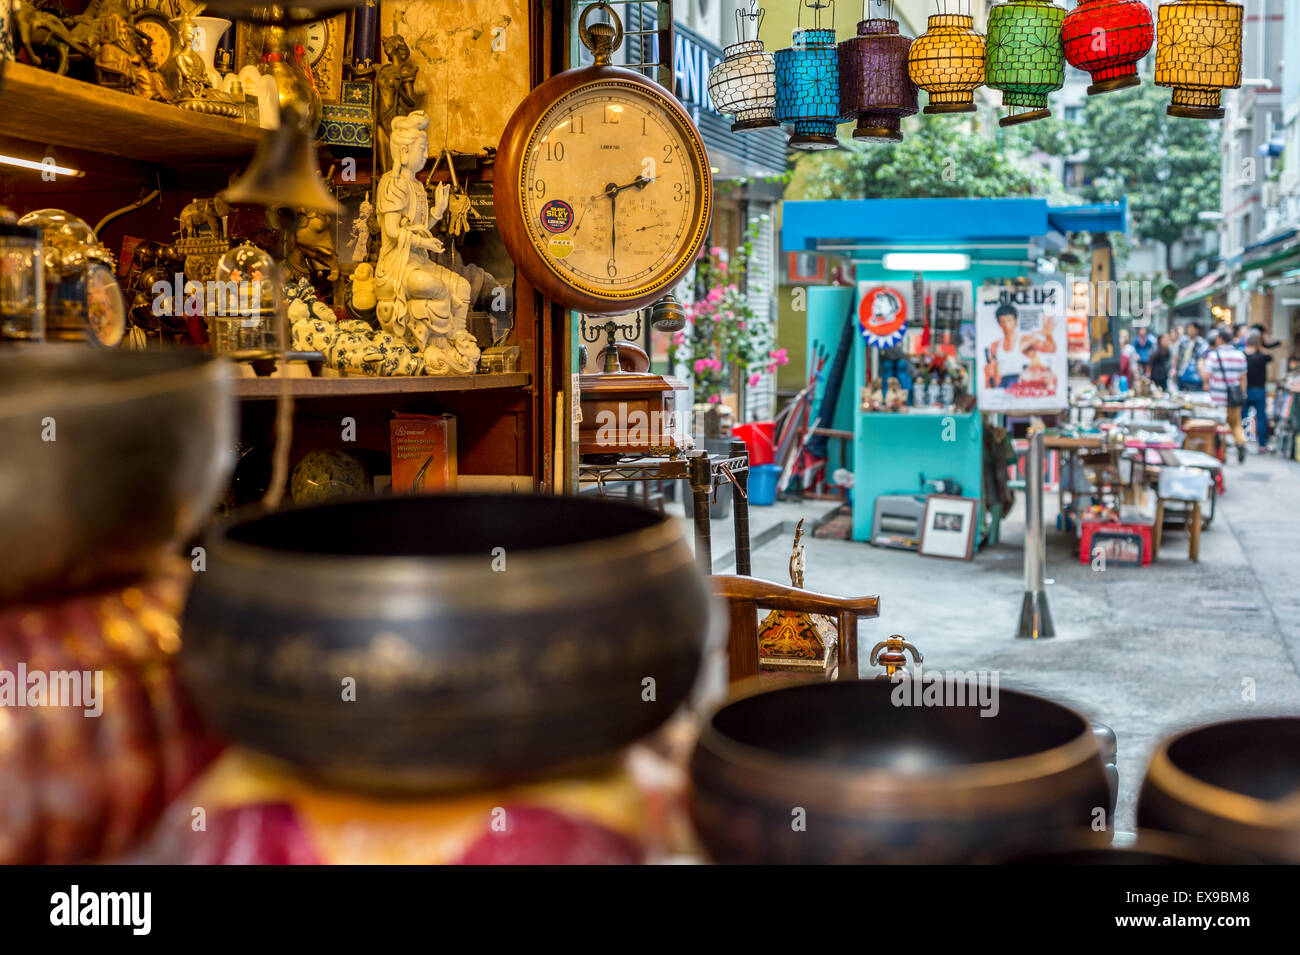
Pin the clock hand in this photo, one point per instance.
(612, 190)
(613, 218)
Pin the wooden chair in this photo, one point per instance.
(746, 595)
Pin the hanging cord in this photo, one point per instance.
(287, 219)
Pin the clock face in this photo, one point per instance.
(316, 40)
(614, 190)
(160, 35)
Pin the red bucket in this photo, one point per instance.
(760, 439)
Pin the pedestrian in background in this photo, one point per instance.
(1127, 356)
(1224, 367)
(1159, 363)
(1188, 351)
(1256, 385)
(1143, 346)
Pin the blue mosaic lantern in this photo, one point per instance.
(808, 82)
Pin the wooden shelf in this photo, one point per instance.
(253, 388)
(44, 108)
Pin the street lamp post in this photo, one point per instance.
(1035, 615)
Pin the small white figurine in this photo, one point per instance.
(361, 230)
(363, 287)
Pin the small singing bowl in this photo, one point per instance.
(1235, 784)
(414, 645)
(838, 773)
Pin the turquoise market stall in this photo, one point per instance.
(915, 244)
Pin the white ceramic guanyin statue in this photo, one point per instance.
(420, 302)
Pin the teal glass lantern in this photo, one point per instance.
(808, 81)
(1025, 57)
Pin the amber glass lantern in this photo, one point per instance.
(1198, 53)
(1108, 38)
(875, 88)
(807, 82)
(744, 83)
(1025, 59)
(947, 61)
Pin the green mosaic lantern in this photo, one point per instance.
(1024, 57)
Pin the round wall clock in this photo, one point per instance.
(603, 191)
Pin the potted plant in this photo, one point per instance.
(723, 346)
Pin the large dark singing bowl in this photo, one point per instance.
(1236, 784)
(109, 459)
(488, 637)
(836, 773)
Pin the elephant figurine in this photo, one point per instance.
(199, 220)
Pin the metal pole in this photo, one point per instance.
(1035, 616)
(740, 509)
(701, 481)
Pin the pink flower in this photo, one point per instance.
(741, 324)
(779, 356)
(679, 338)
(715, 399)
(754, 379)
(717, 252)
(714, 296)
(701, 365)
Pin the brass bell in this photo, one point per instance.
(667, 314)
(284, 174)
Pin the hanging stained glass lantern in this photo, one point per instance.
(1025, 58)
(807, 81)
(1198, 53)
(1107, 38)
(947, 61)
(744, 83)
(875, 88)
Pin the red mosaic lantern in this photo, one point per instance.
(1108, 38)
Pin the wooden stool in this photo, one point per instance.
(1194, 528)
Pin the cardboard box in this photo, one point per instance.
(423, 452)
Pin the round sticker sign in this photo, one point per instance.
(557, 216)
(882, 316)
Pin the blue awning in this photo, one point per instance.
(813, 225)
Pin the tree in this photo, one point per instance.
(1168, 167)
(937, 158)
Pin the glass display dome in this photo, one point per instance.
(242, 304)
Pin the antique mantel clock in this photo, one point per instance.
(603, 190)
(322, 51)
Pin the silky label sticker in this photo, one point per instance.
(557, 216)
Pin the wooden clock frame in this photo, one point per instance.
(509, 198)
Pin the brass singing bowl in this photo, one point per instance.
(1235, 784)
(421, 644)
(110, 458)
(836, 773)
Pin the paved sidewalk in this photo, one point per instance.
(1147, 650)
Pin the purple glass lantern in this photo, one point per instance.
(875, 88)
